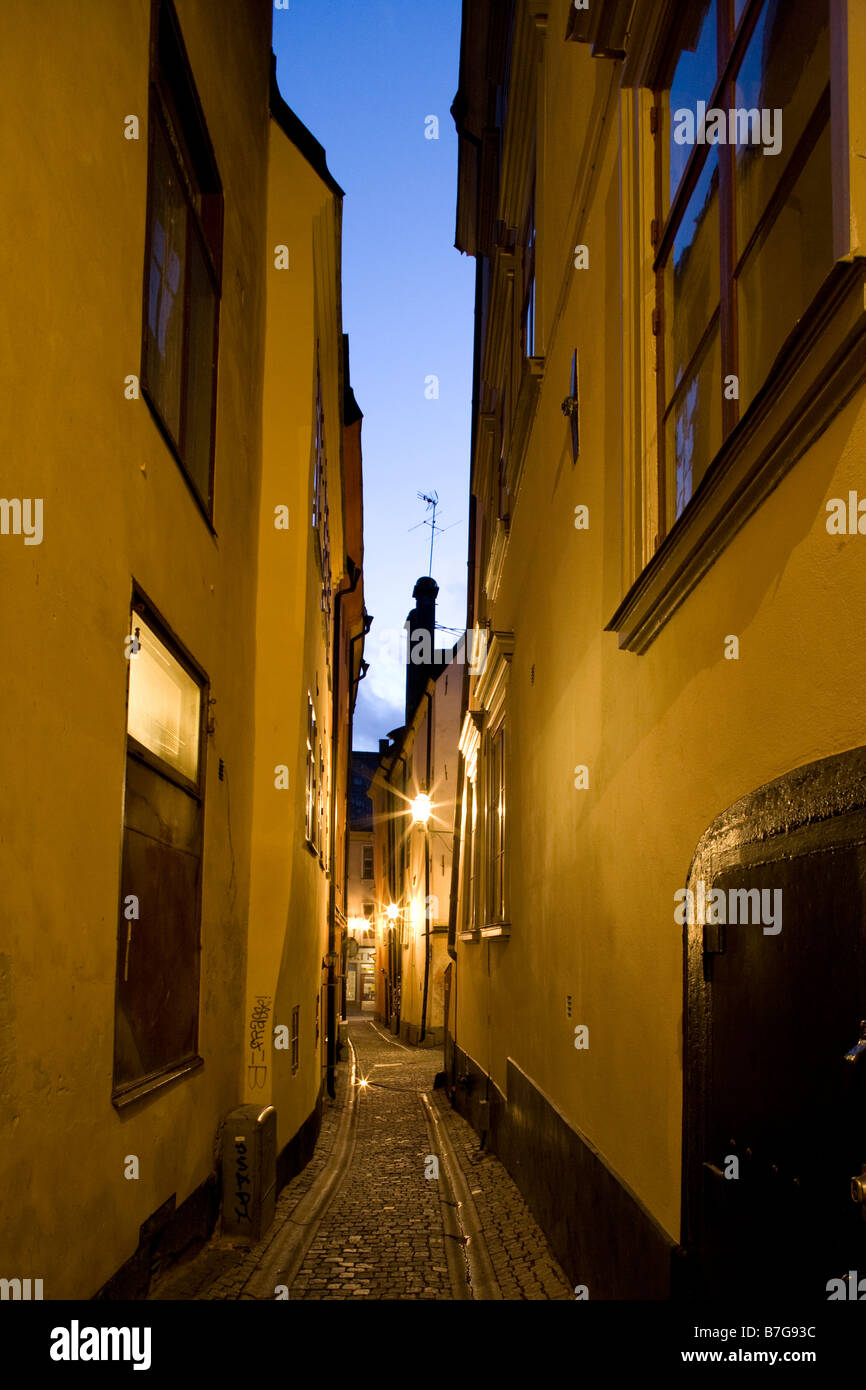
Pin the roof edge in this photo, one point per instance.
(302, 138)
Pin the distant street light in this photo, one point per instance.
(392, 911)
(422, 807)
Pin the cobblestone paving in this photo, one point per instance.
(223, 1267)
(382, 1236)
(519, 1253)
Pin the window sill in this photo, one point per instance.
(137, 1090)
(820, 367)
(469, 936)
(496, 929)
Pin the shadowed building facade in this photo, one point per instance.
(669, 405)
(360, 964)
(184, 638)
(413, 794)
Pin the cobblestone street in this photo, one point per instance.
(389, 1230)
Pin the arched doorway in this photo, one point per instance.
(775, 1088)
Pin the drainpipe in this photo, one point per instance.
(331, 996)
(397, 958)
(427, 873)
(353, 685)
(458, 814)
(353, 695)
(365, 666)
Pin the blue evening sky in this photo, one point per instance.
(363, 77)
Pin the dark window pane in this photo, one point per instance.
(694, 76)
(201, 378)
(785, 269)
(694, 428)
(164, 324)
(692, 274)
(529, 323)
(156, 1018)
(783, 75)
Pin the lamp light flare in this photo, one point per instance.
(422, 807)
(393, 912)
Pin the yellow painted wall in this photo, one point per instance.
(671, 737)
(288, 931)
(444, 712)
(72, 224)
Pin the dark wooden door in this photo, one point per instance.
(775, 1113)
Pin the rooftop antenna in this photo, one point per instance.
(432, 500)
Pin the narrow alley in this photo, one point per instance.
(432, 568)
(368, 1218)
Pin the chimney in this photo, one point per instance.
(420, 655)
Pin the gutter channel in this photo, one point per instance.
(474, 1275)
(289, 1248)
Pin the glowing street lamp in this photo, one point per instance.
(422, 807)
(392, 912)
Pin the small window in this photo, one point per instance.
(322, 803)
(367, 866)
(320, 496)
(496, 825)
(183, 263)
(312, 783)
(158, 939)
(164, 709)
(470, 895)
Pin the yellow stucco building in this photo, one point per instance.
(184, 435)
(414, 804)
(670, 365)
(414, 798)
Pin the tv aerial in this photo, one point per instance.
(432, 502)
